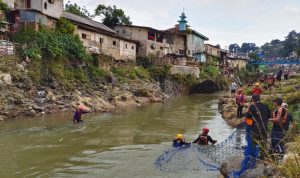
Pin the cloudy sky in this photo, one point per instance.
(223, 21)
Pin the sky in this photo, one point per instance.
(223, 21)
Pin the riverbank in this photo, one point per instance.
(43, 87)
(289, 91)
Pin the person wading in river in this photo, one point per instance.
(257, 119)
(240, 101)
(204, 138)
(79, 110)
(179, 141)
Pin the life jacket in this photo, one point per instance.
(271, 80)
(280, 119)
(203, 139)
(240, 98)
(256, 91)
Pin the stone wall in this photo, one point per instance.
(185, 70)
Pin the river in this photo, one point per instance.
(124, 143)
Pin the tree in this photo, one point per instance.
(77, 10)
(3, 8)
(248, 47)
(290, 43)
(254, 55)
(298, 48)
(234, 48)
(64, 26)
(112, 16)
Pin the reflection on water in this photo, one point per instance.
(120, 144)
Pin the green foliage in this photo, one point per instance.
(253, 55)
(187, 80)
(277, 48)
(248, 47)
(298, 47)
(234, 47)
(211, 71)
(34, 71)
(112, 16)
(58, 44)
(292, 98)
(145, 62)
(77, 10)
(64, 26)
(3, 6)
(159, 73)
(125, 73)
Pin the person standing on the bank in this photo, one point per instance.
(257, 90)
(233, 88)
(240, 101)
(286, 74)
(279, 75)
(289, 121)
(257, 118)
(271, 83)
(279, 118)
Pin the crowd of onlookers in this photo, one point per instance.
(258, 114)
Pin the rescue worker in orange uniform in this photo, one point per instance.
(257, 119)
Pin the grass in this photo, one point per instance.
(124, 74)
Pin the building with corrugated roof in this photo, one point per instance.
(99, 38)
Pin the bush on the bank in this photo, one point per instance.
(125, 73)
(292, 98)
(291, 168)
(57, 44)
(211, 71)
(159, 73)
(184, 79)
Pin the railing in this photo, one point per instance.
(273, 62)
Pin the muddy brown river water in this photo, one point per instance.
(124, 143)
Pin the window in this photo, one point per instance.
(51, 1)
(45, 5)
(101, 40)
(114, 43)
(132, 47)
(126, 46)
(151, 35)
(159, 37)
(118, 31)
(85, 36)
(124, 31)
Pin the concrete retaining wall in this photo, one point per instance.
(185, 70)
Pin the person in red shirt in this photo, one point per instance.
(240, 101)
(256, 90)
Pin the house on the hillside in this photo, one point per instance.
(151, 41)
(4, 22)
(236, 62)
(33, 13)
(187, 40)
(99, 38)
(215, 55)
(179, 42)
